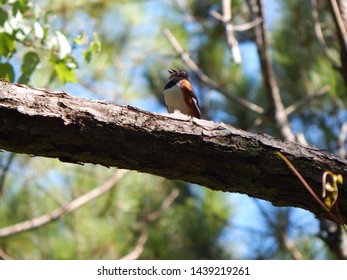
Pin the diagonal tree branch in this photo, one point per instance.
(54, 124)
(4, 256)
(140, 245)
(137, 251)
(59, 212)
(306, 100)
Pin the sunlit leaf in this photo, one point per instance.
(20, 6)
(7, 72)
(87, 55)
(7, 44)
(30, 61)
(79, 39)
(95, 47)
(64, 73)
(3, 17)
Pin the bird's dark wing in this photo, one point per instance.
(173, 81)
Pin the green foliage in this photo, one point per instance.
(30, 62)
(64, 69)
(60, 42)
(6, 71)
(3, 16)
(109, 227)
(28, 34)
(7, 45)
(95, 48)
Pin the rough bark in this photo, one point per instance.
(39, 122)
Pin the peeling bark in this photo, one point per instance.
(39, 122)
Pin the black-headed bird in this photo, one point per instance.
(179, 95)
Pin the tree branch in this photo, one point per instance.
(276, 107)
(338, 13)
(54, 124)
(137, 251)
(229, 30)
(248, 25)
(4, 256)
(319, 33)
(69, 207)
(140, 245)
(307, 99)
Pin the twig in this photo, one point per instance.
(248, 25)
(292, 248)
(341, 33)
(276, 107)
(205, 79)
(301, 103)
(281, 234)
(238, 28)
(296, 106)
(4, 256)
(164, 206)
(300, 137)
(319, 33)
(339, 21)
(69, 207)
(229, 30)
(343, 10)
(186, 58)
(137, 251)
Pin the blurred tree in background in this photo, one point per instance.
(240, 54)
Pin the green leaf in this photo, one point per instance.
(23, 5)
(79, 39)
(87, 55)
(3, 17)
(95, 47)
(64, 73)
(30, 61)
(20, 6)
(6, 71)
(7, 44)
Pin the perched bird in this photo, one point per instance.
(179, 95)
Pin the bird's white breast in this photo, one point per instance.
(174, 100)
